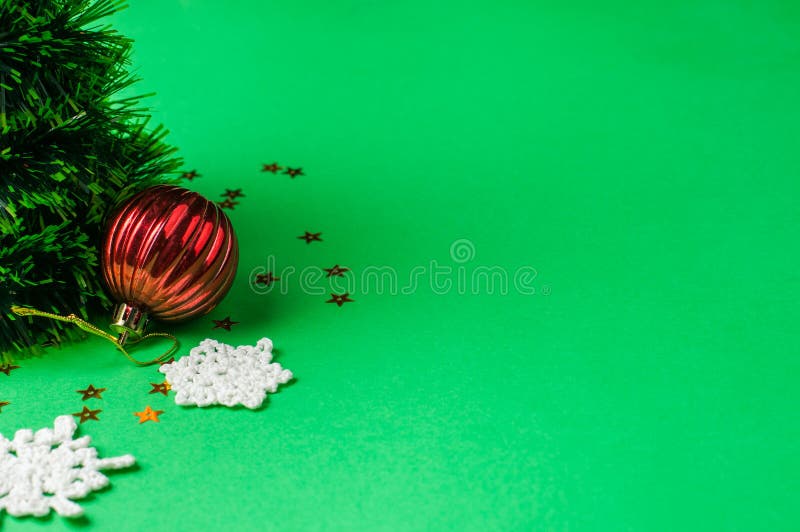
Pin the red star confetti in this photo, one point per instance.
(224, 324)
(310, 237)
(190, 175)
(86, 414)
(336, 271)
(163, 387)
(228, 204)
(340, 299)
(233, 194)
(266, 278)
(271, 168)
(91, 393)
(148, 414)
(7, 369)
(294, 172)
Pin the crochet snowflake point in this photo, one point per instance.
(47, 469)
(216, 373)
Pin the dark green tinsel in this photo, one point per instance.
(69, 152)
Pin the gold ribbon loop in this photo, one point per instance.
(93, 329)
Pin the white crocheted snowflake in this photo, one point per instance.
(216, 373)
(44, 470)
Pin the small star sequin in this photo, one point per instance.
(148, 414)
(233, 194)
(294, 172)
(86, 414)
(190, 175)
(162, 387)
(266, 278)
(91, 393)
(7, 369)
(2, 404)
(224, 324)
(340, 299)
(310, 237)
(336, 271)
(271, 168)
(227, 204)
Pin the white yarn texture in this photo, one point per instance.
(216, 373)
(44, 470)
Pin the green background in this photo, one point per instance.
(644, 160)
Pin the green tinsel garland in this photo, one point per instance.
(69, 153)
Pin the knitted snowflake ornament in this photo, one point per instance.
(45, 470)
(216, 373)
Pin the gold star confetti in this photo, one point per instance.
(340, 299)
(271, 167)
(227, 204)
(91, 393)
(266, 278)
(148, 414)
(7, 368)
(190, 175)
(86, 414)
(310, 237)
(336, 271)
(163, 387)
(294, 172)
(233, 194)
(224, 324)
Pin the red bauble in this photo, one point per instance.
(168, 253)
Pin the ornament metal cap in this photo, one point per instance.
(129, 322)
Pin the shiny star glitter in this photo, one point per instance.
(91, 393)
(2, 404)
(86, 414)
(294, 172)
(227, 204)
(46, 469)
(233, 194)
(271, 168)
(190, 175)
(148, 414)
(7, 368)
(266, 278)
(310, 237)
(336, 271)
(224, 324)
(162, 387)
(340, 299)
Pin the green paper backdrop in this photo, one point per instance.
(642, 161)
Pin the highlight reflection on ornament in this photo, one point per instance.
(168, 253)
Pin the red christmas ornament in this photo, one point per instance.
(168, 253)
